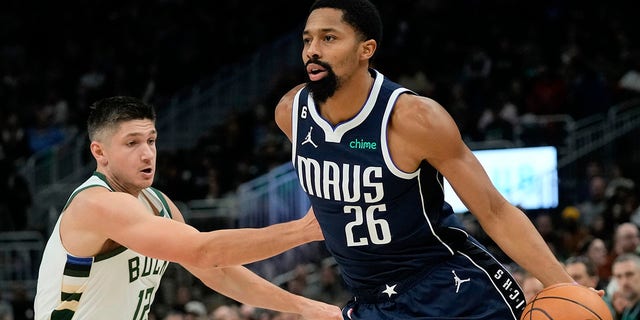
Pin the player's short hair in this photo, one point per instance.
(108, 113)
(362, 15)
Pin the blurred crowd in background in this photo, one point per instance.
(491, 64)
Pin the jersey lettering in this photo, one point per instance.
(361, 144)
(149, 266)
(345, 182)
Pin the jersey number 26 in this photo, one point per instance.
(379, 232)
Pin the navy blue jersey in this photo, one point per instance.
(379, 222)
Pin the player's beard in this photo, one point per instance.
(324, 88)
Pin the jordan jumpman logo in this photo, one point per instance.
(307, 139)
(457, 281)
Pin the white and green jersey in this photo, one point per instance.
(120, 284)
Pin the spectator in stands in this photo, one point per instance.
(626, 272)
(596, 250)
(58, 109)
(43, 134)
(492, 126)
(584, 272)
(572, 232)
(618, 180)
(13, 138)
(247, 312)
(615, 299)
(617, 303)
(182, 297)
(225, 312)
(195, 310)
(621, 202)
(174, 315)
(592, 168)
(596, 204)
(626, 239)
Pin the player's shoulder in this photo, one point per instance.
(91, 198)
(287, 98)
(419, 118)
(285, 107)
(91, 194)
(411, 107)
(87, 207)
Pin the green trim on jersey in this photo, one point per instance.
(64, 314)
(75, 193)
(112, 253)
(77, 269)
(164, 201)
(77, 273)
(70, 296)
(102, 177)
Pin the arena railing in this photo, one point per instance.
(20, 254)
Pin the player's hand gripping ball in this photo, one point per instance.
(567, 301)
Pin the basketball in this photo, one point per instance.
(566, 301)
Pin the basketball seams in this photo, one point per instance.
(544, 312)
(563, 300)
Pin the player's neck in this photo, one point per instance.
(119, 185)
(349, 99)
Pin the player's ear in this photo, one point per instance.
(369, 48)
(97, 151)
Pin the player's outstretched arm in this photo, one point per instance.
(245, 286)
(103, 215)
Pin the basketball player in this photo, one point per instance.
(116, 235)
(374, 175)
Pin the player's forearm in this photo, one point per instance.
(245, 286)
(242, 246)
(518, 238)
